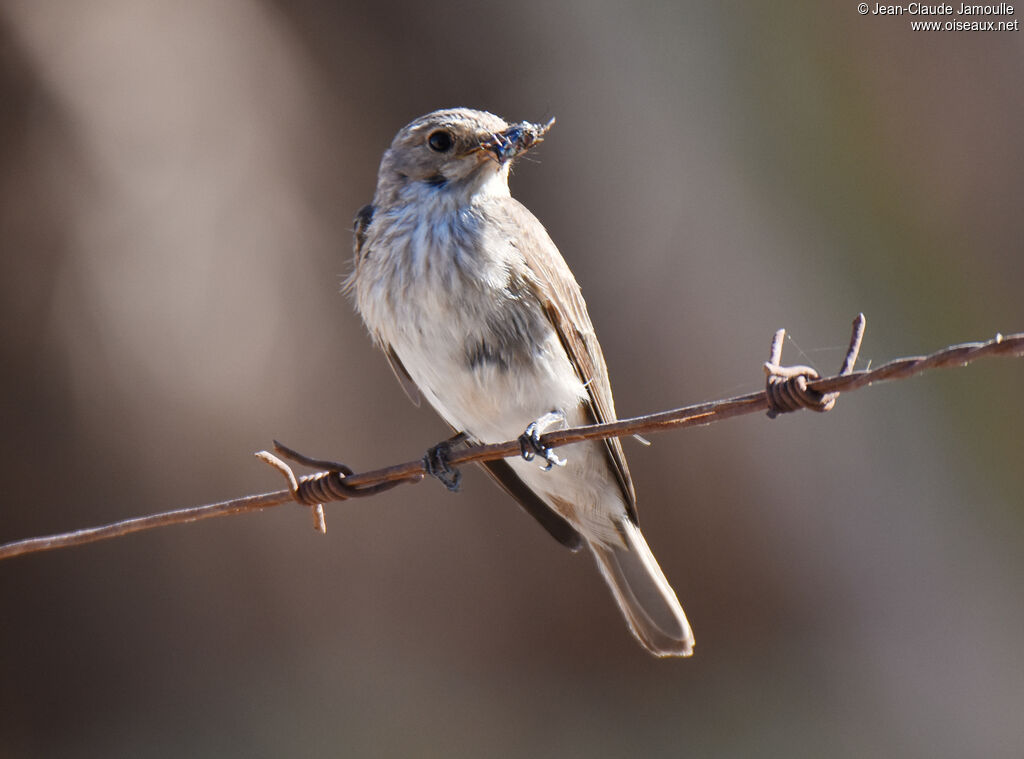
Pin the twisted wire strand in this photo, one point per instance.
(340, 483)
(961, 354)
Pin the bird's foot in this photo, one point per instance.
(436, 462)
(529, 441)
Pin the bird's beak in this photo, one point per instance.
(514, 141)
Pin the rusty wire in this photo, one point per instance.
(787, 389)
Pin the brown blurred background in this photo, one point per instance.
(177, 183)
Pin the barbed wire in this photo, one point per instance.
(787, 389)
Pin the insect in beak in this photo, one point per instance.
(515, 140)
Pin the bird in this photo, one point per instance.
(475, 309)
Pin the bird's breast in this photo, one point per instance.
(452, 299)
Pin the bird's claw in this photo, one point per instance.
(530, 445)
(435, 461)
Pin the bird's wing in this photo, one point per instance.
(412, 390)
(556, 287)
(556, 525)
(364, 217)
(360, 229)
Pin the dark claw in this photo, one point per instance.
(526, 446)
(435, 461)
(530, 445)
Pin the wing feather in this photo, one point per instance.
(559, 293)
(412, 390)
(556, 525)
(364, 217)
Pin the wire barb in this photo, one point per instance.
(787, 387)
(299, 493)
(314, 490)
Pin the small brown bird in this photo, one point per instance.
(476, 310)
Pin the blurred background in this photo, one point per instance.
(177, 183)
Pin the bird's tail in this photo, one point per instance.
(644, 595)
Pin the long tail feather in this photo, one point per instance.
(647, 600)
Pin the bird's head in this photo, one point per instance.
(457, 151)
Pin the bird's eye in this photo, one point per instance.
(440, 141)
